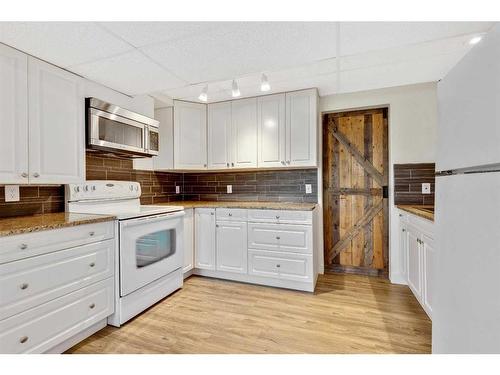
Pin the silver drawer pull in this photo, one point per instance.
(277, 217)
(23, 339)
(23, 246)
(92, 264)
(36, 175)
(91, 234)
(278, 237)
(230, 214)
(92, 305)
(24, 175)
(278, 265)
(24, 286)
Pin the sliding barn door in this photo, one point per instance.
(355, 175)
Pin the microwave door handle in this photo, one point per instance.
(145, 139)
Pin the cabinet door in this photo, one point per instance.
(56, 125)
(219, 135)
(232, 246)
(414, 263)
(205, 238)
(188, 240)
(271, 130)
(301, 124)
(403, 248)
(429, 260)
(165, 158)
(13, 116)
(244, 133)
(190, 135)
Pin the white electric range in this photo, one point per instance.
(148, 239)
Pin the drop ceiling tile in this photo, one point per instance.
(239, 49)
(146, 33)
(62, 43)
(131, 73)
(359, 37)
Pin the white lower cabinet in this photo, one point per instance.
(418, 252)
(231, 246)
(204, 238)
(57, 287)
(278, 252)
(188, 240)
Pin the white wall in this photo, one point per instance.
(412, 137)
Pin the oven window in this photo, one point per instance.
(120, 133)
(154, 247)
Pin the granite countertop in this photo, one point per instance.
(243, 204)
(426, 212)
(26, 224)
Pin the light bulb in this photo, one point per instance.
(204, 94)
(264, 83)
(236, 90)
(475, 40)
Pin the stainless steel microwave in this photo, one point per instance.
(120, 131)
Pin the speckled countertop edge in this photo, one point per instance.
(417, 210)
(243, 204)
(36, 223)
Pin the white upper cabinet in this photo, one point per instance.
(190, 135)
(244, 133)
(271, 130)
(13, 116)
(301, 128)
(165, 158)
(219, 135)
(56, 125)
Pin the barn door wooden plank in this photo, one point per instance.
(357, 182)
(344, 124)
(378, 163)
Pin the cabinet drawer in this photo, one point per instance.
(236, 214)
(30, 244)
(280, 216)
(45, 326)
(30, 282)
(280, 265)
(280, 237)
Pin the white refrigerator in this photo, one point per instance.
(466, 314)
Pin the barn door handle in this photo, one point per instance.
(385, 191)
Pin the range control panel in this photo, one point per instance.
(102, 189)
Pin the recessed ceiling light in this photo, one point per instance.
(475, 40)
(204, 94)
(264, 83)
(236, 90)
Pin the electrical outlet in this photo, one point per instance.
(230, 189)
(177, 189)
(308, 189)
(11, 193)
(426, 188)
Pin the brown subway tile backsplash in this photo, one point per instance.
(33, 200)
(408, 179)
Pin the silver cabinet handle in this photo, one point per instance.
(23, 246)
(92, 305)
(24, 175)
(230, 214)
(232, 164)
(227, 164)
(24, 286)
(23, 339)
(278, 237)
(92, 264)
(204, 165)
(91, 234)
(217, 225)
(404, 230)
(36, 175)
(211, 213)
(278, 265)
(277, 217)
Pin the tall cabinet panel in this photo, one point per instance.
(301, 128)
(219, 135)
(165, 159)
(190, 135)
(271, 130)
(56, 125)
(244, 133)
(204, 238)
(13, 116)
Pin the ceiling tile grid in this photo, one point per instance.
(179, 58)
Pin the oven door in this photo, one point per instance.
(150, 248)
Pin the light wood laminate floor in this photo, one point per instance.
(346, 314)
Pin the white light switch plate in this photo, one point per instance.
(308, 189)
(177, 189)
(230, 189)
(11, 193)
(426, 188)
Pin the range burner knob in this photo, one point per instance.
(137, 188)
(131, 187)
(77, 189)
(93, 187)
(86, 188)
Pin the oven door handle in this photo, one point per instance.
(153, 219)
